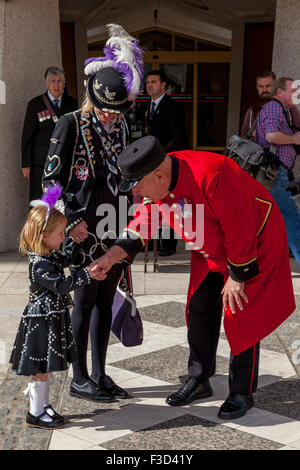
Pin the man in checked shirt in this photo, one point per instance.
(275, 126)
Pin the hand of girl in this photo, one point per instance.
(98, 275)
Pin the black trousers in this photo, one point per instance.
(92, 314)
(170, 243)
(205, 315)
(35, 188)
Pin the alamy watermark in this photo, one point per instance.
(187, 220)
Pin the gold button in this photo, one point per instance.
(174, 206)
(171, 195)
(202, 252)
(206, 255)
(180, 225)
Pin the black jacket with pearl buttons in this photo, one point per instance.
(49, 289)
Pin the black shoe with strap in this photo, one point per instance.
(53, 414)
(190, 391)
(90, 391)
(107, 384)
(235, 406)
(37, 422)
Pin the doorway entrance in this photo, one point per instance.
(198, 74)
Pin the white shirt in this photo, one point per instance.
(52, 99)
(157, 101)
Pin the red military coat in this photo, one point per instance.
(236, 229)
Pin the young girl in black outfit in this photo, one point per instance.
(44, 341)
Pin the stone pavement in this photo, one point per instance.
(150, 372)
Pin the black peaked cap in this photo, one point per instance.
(138, 160)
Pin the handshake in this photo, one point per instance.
(294, 187)
(99, 268)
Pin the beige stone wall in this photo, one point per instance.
(286, 60)
(29, 42)
(81, 50)
(236, 77)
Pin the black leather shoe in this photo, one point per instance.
(235, 406)
(107, 384)
(190, 391)
(53, 414)
(37, 422)
(90, 391)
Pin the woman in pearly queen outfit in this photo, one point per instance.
(83, 158)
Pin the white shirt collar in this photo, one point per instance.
(158, 100)
(52, 98)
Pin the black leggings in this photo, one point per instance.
(92, 313)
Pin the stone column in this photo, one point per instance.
(29, 43)
(236, 77)
(287, 39)
(81, 51)
(286, 61)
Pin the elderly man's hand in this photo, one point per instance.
(26, 172)
(79, 233)
(233, 292)
(101, 265)
(98, 276)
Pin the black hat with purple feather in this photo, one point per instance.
(114, 80)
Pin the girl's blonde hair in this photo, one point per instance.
(31, 238)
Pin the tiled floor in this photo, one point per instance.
(151, 371)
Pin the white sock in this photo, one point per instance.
(36, 391)
(46, 397)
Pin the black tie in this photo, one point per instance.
(56, 107)
(152, 109)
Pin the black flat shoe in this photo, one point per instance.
(235, 406)
(55, 415)
(107, 384)
(190, 391)
(37, 422)
(90, 391)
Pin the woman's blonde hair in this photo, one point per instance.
(87, 107)
(31, 238)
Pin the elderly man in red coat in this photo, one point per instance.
(239, 258)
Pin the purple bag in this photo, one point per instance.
(126, 321)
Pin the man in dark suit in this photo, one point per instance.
(164, 120)
(42, 114)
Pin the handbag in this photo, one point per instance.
(126, 321)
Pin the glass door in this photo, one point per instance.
(180, 88)
(212, 105)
